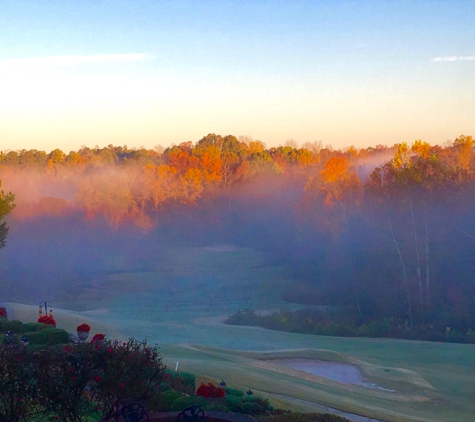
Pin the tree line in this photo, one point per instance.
(384, 232)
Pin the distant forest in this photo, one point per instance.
(385, 232)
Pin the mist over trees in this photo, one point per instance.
(385, 232)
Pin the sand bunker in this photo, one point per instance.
(336, 371)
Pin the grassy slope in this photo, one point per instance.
(167, 306)
(450, 400)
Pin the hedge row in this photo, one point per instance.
(51, 336)
(16, 326)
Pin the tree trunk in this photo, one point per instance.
(427, 256)
(404, 273)
(358, 306)
(419, 277)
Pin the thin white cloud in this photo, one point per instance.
(61, 61)
(453, 58)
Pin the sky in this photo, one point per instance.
(147, 73)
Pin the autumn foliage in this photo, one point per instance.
(384, 232)
(124, 186)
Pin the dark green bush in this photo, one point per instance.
(183, 402)
(14, 326)
(234, 392)
(164, 387)
(363, 331)
(181, 381)
(56, 335)
(2, 321)
(216, 407)
(167, 399)
(29, 327)
(248, 405)
(37, 337)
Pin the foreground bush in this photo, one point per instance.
(73, 383)
(17, 389)
(131, 371)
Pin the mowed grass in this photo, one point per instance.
(180, 302)
(420, 394)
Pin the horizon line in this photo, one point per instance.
(74, 60)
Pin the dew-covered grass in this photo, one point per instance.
(189, 292)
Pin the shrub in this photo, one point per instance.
(29, 327)
(72, 382)
(37, 337)
(56, 335)
(243, 317)
(183, 402)
(181, 381)
(14, 326)
(64, 374)
(16, 385)
(248, 405)
(167, 399)
(131, 371)
(234, 392)
(79, 380)
(363, 331)
(164, 387)
(217, 407)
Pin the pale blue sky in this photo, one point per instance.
(155, 72)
